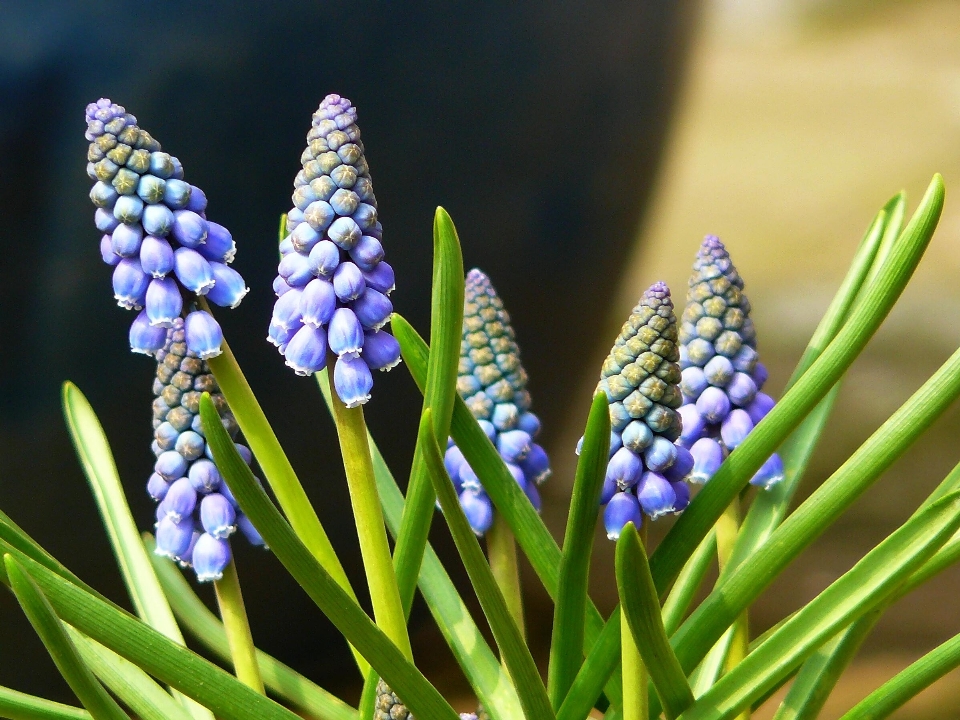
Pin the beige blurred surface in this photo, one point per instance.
(796, 125)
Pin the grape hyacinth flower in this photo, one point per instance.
(390, 707)
(722, 375)
(196, 513)
(493, 384)
(332, 285)
(646, 470)
(156, 234)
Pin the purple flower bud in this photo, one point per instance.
(681, 466)
(365, 216)
(190, 445)
(735, 428)
(104, 221)
(660, 455)
(156, 256)
(318, 302)
(203, 334)
(306, 352)
(324, 258)
(181, 499)
(170, 465)
(373, 309)
(381, 351)
(637, 436)
(204, 476)
(745, 359)
(348, 282)
(514, 445)
(280, 286)
(536, 465)
(173, 538)
(198, 200)
(367, 253)
(219, 246)
(761, 405)
(533, 495)
(707, 458)
(244, 452)
(770, 473)
(656, 495)
(280, 336)
(452, 460)
(741, 390)
(249, 531)
(713, 405)
(189, 229)
(529, 423)
(345, 232)
(381, 278)
(163, 301)
(518, 475)
(693, 381)
(295, 269)
(229, 288)
(352, 379)
(759, 375)
(128, 209)
(718, 371)
(218, 516)
(693, 424)
(157, 487)
(616, 442)
(623, 508)
(193, 270)
(176, 193)
(682, 491)
(126, 240)
(624, 468)
(106, 250)
(478, 509)
(467, 479)
(103, 195)
(304, 238)
(158, 220)
(210, 557)
(608, 490)
(130, 284)
(145, 338)
(286, 312)
(345, 334)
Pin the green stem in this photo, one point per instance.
(728, 526)
(374, 549)
(636, 679)
(502, 554)
(235, 622)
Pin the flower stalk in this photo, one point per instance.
(237, 626)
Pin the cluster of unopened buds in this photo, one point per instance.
(156, 234)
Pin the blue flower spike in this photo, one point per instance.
(493, 384)
(196, 514)
(722, 376)
(646, 472)
(156, 234)
(332, 284)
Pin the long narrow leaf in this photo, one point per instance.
(54, 636)
(601, 662)
(173, 664)
(641, 606)
(285, 682)
(514, 651)
(532, 535)
(20, 706)
(688, 582)
(417, 693)
(819, 511)
(854, 594)
(93, 450)
(137, 690)
(566, 647)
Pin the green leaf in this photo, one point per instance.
(688, 583)
(718, 611)
(51, 631)
(285, 682)
(854, 594)
(566, 646)
(446, 324)
(20, 706)
(908, 683)
(405, 679)
(277, 468)
(532, 535)
(195, 677)
(601, 662)
(133, 686)
(641, 606)
(93, 450)
(514, 651)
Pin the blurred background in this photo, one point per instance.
(583, 149)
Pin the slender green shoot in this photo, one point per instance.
(16, 705)
(237, 626)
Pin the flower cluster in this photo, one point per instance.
(493, 384)
(389, 707)
(332, 284)
(646, 471)
(155, 234)
(196, 512)
(721, 372)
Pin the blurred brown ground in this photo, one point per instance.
(798, 121)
